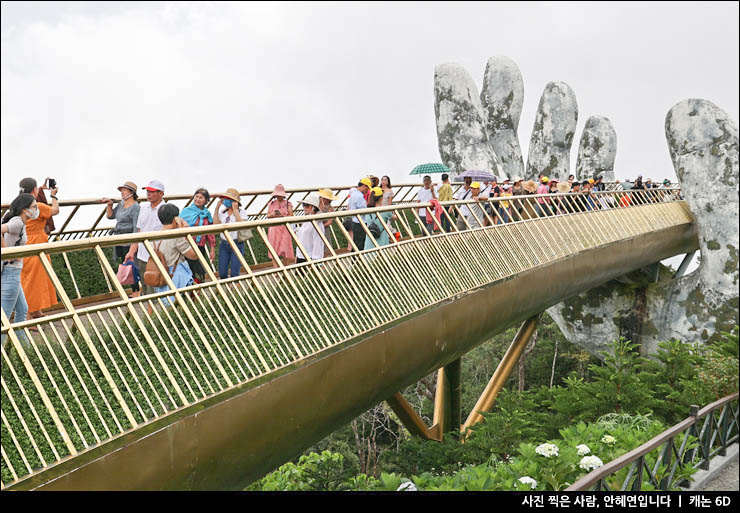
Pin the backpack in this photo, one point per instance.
(152, 276)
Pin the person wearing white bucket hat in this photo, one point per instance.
(308, 233)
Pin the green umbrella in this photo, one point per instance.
(428, 169)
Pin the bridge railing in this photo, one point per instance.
(76, 212)
(86, 375)
(659, 462)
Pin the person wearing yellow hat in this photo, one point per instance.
(542, 205)
(476, 217)
(371, 221)
(357, 201)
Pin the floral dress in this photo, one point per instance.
(279, 238)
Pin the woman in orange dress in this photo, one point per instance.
(37, 285)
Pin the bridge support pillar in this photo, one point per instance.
(653, 272)
(409, 418)
(684, 265)
(447, 413)
(502, 373)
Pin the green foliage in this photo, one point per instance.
(728, 344)
(616, 385)
(570, 457)
(324, 472)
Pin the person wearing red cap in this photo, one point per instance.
(148, 221)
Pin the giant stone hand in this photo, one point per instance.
(480, 131)
(703, 144)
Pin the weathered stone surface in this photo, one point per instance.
(597, 150)
(552, 135)
(461, 135)
(502, 97)
(703, 143)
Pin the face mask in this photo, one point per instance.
(34, 212)
(228, 203)
(124, 198)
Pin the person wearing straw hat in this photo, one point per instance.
(309, 233)
(228, 210)
(148, 221)
(326, 196)
(278, 236)
(559, 203)
(126, 214)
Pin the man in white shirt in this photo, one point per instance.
(464, 193)
(424, 196)
(148, 221)
(357, 201)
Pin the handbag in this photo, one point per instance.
(244, 235)
(125, 273)
(374, 230)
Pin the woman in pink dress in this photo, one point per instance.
(278, 236)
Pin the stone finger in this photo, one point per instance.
(502, 97)
(552, 135)
(461, 135)
(597, 149)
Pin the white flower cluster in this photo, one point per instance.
(547, 450)
(608, 439)
(528, 480)
(590, 462)
(407, 486)
(583, 449)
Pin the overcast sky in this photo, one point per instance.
(247, 95)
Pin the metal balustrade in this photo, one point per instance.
(699, 442)
(255, 202)
(89, 374)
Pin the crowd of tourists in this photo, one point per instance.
(29, 220)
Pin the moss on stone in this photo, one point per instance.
(731, 264)
(713, 245)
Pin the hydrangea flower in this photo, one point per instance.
(528, 480)
(547, 450)
(608, 439)
(589, 463)
(583, 449)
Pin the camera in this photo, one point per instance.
(52, 183)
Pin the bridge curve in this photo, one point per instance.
(365, 325)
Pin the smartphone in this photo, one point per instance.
(52, 183)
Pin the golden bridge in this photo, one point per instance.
(109, 391)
